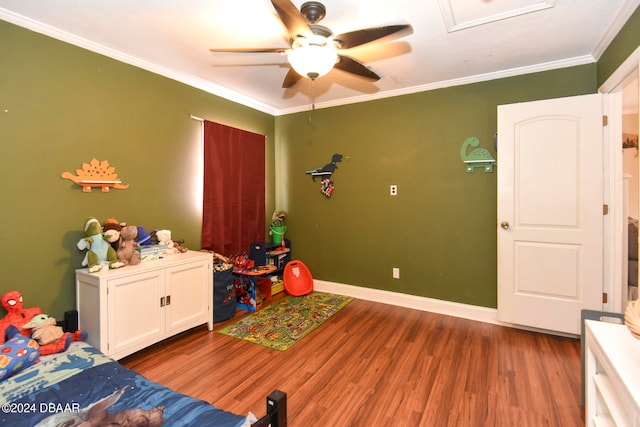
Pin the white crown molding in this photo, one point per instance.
(223, 92)
(622, 18)
(547, 66)
(187, 79)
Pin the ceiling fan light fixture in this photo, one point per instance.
(312, 60)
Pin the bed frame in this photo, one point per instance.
(276, 411)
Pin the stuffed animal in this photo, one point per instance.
(179, 245)
(127, 253)
(18, 316)
(44, 329)
(98, 249)
(111, 231)
(164, 238)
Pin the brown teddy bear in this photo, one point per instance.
(111, 232)
(127, 252)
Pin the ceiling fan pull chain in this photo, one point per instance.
(313, 100)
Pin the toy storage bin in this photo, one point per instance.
(251, 291)
(224, 295)
(152, 252)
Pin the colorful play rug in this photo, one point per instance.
(287, 320)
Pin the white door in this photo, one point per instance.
(550, 212)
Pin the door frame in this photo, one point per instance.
(613, 186)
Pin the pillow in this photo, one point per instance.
(16, 354)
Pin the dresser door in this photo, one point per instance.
(188, 295)
(136, 312)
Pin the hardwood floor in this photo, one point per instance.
(374, 364)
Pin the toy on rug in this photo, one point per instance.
(18, 317)
(164, 238)
(44, 329)
(111, 231)
(98, 249)
(127, 252)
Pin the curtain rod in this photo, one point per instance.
(197, 118)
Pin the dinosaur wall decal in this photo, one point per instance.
(478, 157)
(325, 172)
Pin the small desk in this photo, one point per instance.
(250, 292)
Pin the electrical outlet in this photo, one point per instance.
(396, 273)
(393, 190)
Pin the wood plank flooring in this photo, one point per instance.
(374, 364)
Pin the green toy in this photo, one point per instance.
(478, 157)
(98, 248)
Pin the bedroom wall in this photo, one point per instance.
(440, 229)
(61, 106)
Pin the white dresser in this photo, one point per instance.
(612, 375)
(129, 308)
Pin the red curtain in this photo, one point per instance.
(234, 189)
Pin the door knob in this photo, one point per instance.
(505, 225)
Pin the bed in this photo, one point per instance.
(82, 386)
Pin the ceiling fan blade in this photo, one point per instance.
(359, 37)
(292, 18)
(354, 67)
(250, 50)
(290, 79)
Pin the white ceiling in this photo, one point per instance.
(453, 42)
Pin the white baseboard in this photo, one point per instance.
(449, 308)
(466, 311)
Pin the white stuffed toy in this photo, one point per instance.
(164, 238)
(98, 248)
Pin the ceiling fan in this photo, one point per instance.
(314, 49)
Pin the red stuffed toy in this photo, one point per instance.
(18, 316)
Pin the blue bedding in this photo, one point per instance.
(86, 386)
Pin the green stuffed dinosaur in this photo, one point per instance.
(98, 248)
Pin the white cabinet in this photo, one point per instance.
(612, 372)
(127, 309)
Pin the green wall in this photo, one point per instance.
(622, 46)
(440, 229)
(61, 106)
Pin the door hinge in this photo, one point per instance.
(605, 209)
(605, 297)
(605, 120)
